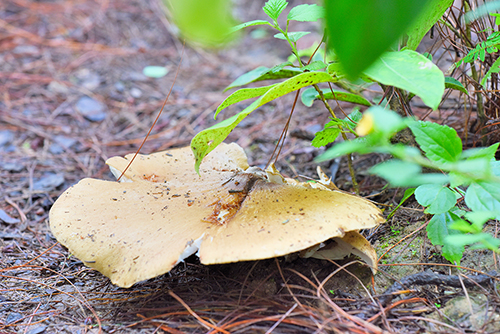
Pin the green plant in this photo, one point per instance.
(405, 69)
(461, 197)
(462, 174)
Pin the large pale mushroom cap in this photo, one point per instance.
(135, 230)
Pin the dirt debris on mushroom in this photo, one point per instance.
(162, 212)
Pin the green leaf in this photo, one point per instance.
(408, 193)
(424, 22)
(273, 8)
(277, 68)
(347, 97)
(241, 95)
(484, 196)
(463, 226)
(436, 198)
(325, 137)
(314, 66)
(305, 13)
(293, 36)
(453, 83)
(248, 77)
(439, 229)
(155, 71)
(386, 122)
(494, 68)
(410, 71)
(439, 142)
(397, 172)
(206, 22)
(249, 24)
(405, 174)
(343, 148)
(260, 74)
(360, 31)
(497, 17)
(208, 139)
(309, 95)
(353, 118)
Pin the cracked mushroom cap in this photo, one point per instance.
(163, 212)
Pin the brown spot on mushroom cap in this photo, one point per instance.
(312, 215)
(132, 231)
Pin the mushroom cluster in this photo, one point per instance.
(161, 212)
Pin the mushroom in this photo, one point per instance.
(163, 212)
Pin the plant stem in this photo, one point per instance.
(344, 136)
(479, 97)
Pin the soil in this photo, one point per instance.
(72, 94)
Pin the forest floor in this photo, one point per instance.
(72, 94)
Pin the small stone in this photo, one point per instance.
(6, 136)
(55, 149)
(66, 142)
(134, 76)
(91, 109)
(87, 79)
(4, 216)
(49, 182)
(135, 92)
(11, 167)
(26, 49)
(120, 87)
(58, 88)
(13, 317)
(37, 329)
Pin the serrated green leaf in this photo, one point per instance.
(293, 36)
(325, 137)
(453, 83)
(484, 196)
(353, 118)
(360, 31)
(249, 24)
(208, 139)
(155, 71)
(436, 198)
(309, 13)
(481, 152)
(273, 8)
(453, 252)
(241, 95)
(424, 22)
(439, 227)
(438, 230)
(440, 142)
(260, 74)
(410, 71)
